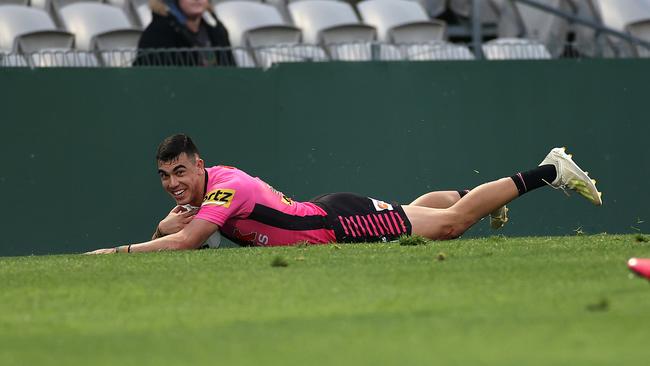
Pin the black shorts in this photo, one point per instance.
(357, 219)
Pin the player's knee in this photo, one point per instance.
(455, 227)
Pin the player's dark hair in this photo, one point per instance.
(174, 145)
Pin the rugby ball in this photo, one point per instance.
(214, 240)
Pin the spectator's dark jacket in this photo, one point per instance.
(166, 31)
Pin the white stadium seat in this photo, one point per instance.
(641, 29)
(586, 40)
(130, 9)
(545, 27)
(243, 58)
(215, 2)
(618, 14)
(58, 4)
(61, 3)
(433, 7)
(630, 16)
(401, 21)
(488, 10)
(103, 28)
(15, 2)
(436, 51)
(261, 26)
(8, 59)
(21, 21)
(515, 49)
(329, 21)
(255, 24)
(143, 12)
(335, 25)
(31, 31)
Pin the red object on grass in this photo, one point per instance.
(640, 266)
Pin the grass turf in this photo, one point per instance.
(498, 301)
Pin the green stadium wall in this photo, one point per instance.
(78, 145)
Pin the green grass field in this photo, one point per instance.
(497, 301)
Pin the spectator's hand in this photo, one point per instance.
(176, 220)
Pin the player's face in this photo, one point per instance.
(183, 179)
(193, 8)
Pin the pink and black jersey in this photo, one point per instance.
(251, 212)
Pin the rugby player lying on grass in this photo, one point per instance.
(250, 212)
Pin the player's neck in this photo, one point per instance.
(202, 188)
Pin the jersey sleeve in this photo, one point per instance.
(223, 201)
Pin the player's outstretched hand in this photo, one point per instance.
(102, 251)
(176, 220)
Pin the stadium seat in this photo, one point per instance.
(401, 21)
(61, 3)
(587, 41)
(215, 2)
(102, 28)
(8, 59)
(433, 7)
(243, 58)
(329, 21)
(436, 50)
(509, 24)
(53, 57)
(545, 27)
(255, 24)
(15, 2)
(488, 10)
(630, 16)
(18, 22)
(31, 31)
(641, 29)
(144, 15)
(261, 26)
(129, 7)
(620, 13)
(335, 25)
(281, 5)
(515, 49)
(58, 4)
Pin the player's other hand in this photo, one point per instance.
(102, 251)
(176, 220)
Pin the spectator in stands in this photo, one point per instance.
(183, 24)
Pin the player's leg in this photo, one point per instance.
(449, 223)
(446, 199)
(557, 170)
(438, 199)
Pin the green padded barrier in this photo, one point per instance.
(78, 145)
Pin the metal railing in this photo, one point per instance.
(265, 57)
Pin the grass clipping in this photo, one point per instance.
(412, 240)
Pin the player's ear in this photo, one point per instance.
(200, 164)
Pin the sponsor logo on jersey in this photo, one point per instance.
(250, 239)
(381, 205)
(286, 200)
(245, 239)
(221, 197)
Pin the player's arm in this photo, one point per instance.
(174, 222)
(191, 236)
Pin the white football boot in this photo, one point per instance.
(499, 217)
(569, 175)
